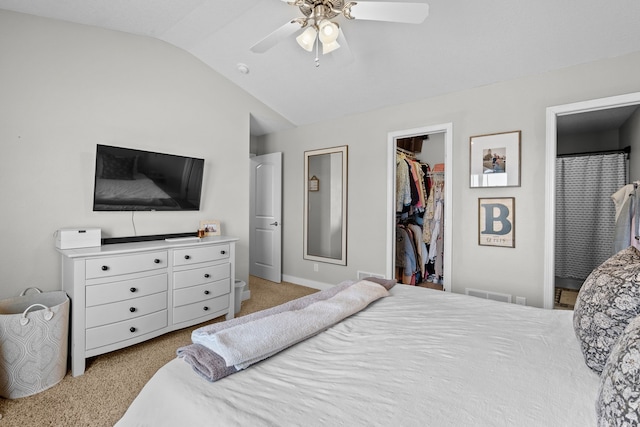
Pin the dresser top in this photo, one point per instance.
(124, 248)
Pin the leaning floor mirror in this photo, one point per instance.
(325, 205)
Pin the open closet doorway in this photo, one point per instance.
(596, 135)
(419, 225)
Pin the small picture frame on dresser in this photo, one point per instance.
(211, 227)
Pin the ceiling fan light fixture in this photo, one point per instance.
(328, 34)
(329, 31)
(307, 39)
(329, 47)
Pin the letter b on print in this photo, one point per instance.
(496, 219)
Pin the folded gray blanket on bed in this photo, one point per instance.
(212, 366)
(208, 364)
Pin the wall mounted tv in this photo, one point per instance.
(136, 180)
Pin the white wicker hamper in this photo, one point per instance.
(33, 342)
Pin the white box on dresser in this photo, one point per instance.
(125, 293)
(73, 238)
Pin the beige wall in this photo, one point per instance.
(66, 88)
(630, 136)
(514, 105)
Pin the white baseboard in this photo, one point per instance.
(306, 282)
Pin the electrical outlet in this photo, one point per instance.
(315, 266)
(521, 301)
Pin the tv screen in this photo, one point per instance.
(136, 180)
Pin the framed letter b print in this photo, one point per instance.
(497, 222)
(495, 160)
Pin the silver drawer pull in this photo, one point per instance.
(207, 292)
(207, 275)
(105, 267)
(187, 257)
(205, 308)
(157, 261)
(223, 252)
(132, 329)
(133, 289)
(132, 309)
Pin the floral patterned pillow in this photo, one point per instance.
(619, 394)
(606, 303)
(625, 257)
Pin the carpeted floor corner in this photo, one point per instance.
(111, 382)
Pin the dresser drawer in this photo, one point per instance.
(200, 309)
(121, 331)
(126, 289)
(194, 255)
(124, 310)
(125, 264)
(199, 276)
(201, 292)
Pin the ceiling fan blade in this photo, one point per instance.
(408, 13)
(276, 37)
(344, 55)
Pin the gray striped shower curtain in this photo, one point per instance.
(585, 213)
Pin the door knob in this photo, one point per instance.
(274, 223)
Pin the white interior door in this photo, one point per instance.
(266, 217)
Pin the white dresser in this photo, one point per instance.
(122, 294)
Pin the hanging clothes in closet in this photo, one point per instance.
(433, 230)
(411, 193)
(419, 220)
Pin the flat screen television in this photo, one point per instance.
(136, 180)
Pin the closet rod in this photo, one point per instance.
(626, 150)
(407, 152)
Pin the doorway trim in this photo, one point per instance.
(447, 129)
(550, 180)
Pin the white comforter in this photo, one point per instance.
(416, 358)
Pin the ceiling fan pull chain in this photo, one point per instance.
(317, 56)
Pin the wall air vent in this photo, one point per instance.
(363, 274)
(496, 296)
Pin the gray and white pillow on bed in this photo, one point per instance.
(608, 300)
(619, 394)
(386, 283)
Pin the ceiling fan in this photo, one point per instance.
(319, 23)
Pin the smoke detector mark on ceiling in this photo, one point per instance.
(243, 68)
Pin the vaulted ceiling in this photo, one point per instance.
(461, 45)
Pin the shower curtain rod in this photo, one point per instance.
(626, 150)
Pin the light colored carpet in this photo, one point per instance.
(111, 382)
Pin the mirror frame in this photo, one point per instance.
(307, 154)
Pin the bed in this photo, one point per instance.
(417, 357)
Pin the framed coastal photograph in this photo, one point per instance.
(210, 227)
(494, 160)
(497, 222)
